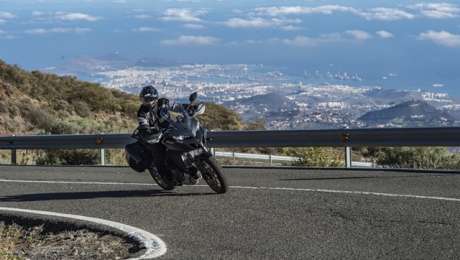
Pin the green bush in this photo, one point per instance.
(82, 109)
(68, 157)
(416, 158)
(316, 156)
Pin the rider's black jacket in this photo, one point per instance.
(149, 119)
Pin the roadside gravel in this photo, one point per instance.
(18, 242)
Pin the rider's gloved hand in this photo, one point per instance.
(164, 114)
(153, 131)
(146, 131)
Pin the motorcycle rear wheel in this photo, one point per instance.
(162, 182)
(213, 175)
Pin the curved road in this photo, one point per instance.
(267, 214)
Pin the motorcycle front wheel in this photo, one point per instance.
(162, 182)
(212, 174)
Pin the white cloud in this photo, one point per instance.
(6, 35)
(248, 23)
(385, 14)
(290, 28)
(6, 15)
(41, 31)
(194, 26)
(142, 16)
(384, 34)
(438, 10)
(379, 13)
(146, 29)
(305, 41)
(63, 16)
(359, 35)
(192, 40)
(296, 10)
(442, 38)
(259, 22)
(37, 13)
(183, 15)
(75, 17)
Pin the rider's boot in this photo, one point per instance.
(195, 176)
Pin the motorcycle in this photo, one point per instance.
(187, 154)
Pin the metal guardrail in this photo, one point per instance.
(276, 158)
(340, 137)
(265, 157)
(290, 138)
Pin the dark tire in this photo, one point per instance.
(162, 182)
(213, 175)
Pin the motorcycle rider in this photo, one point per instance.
(150, 125)
(152, 117)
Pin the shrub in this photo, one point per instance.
(3, 107)
(315, 156)
(69, 157)
(58, 128)
(82, 109)
(418, 158)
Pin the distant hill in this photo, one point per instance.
(408, 114)
(36, 102)
(262, 104)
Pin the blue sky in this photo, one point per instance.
(417, 42)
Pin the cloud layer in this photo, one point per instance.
(384, 34)
(4, 16)
(438, 10)
(428, 10)
(76, 17)
(182, 15)
(65, 16)
(259, 22)
(42, 31)
(192, 40)
(442, 38)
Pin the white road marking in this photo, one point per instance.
(249, 187)
(78, 182)
(353, 192)
(154, 246)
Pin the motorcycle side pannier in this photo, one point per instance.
(138, 157)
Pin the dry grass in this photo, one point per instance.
(17, 242)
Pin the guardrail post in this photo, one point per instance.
(348, 157)
(14, 158)
(213, 152)
(270, 159)
(102, 156)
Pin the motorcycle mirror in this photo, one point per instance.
(200, 109)
(163, 102)
(193, 97)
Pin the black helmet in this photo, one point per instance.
(148, 94)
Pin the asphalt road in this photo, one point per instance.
(267, 214)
